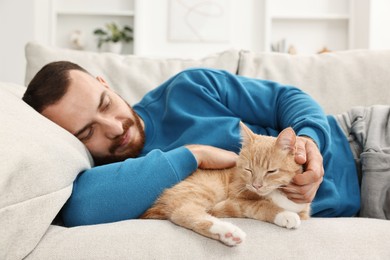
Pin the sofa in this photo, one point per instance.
(39, 162)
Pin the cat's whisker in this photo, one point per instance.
(244, 188)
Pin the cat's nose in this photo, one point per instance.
(257, 186)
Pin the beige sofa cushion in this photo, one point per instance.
(325, 239)
(129, 75)
(39, 161)
(337, 80)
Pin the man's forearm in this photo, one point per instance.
(124, 190)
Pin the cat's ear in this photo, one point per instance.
(286, 140)
(246, 134)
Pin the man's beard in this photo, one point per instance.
(133, 150)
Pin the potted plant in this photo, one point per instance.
(113, 36)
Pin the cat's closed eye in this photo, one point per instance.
(272, 171)
(249, 170)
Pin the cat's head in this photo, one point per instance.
(267, 163)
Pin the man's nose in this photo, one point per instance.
(112, 127)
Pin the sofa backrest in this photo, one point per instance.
(129, 75)
(337, 80)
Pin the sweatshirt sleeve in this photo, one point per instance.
(262, 103)
(277, 106)
(124, 190)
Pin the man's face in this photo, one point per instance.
(101, 119)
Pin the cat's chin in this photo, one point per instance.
(264, 193)
(261, 193)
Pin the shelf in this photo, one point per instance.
(329, 23)
(332, 34)
(310, 17)
(97, 13)
(75, 18)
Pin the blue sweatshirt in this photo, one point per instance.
(204, 106)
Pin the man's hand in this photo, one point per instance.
(303, 187)
(209, 157)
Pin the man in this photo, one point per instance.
(191, 120)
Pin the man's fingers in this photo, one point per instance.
(209, 157)
(296, 191)
(314, 166)
(306, 178)
(304, 186)
(300, 194)
(300, 153)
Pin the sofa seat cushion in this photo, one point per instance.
(319, 238)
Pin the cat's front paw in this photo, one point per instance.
(228, 233)
(287, 219)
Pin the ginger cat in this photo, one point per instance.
(248, 190)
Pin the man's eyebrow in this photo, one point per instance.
(102, 96)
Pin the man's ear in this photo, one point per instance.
(103, 81)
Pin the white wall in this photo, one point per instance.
(25, 20)
(20, 21)
(16, 29)
(379, 35)
(371, 22)
(245, 30)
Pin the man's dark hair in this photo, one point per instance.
(50, 84)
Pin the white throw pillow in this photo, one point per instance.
(129, 75)
(39, 161)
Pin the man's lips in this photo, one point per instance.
(125, 140)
